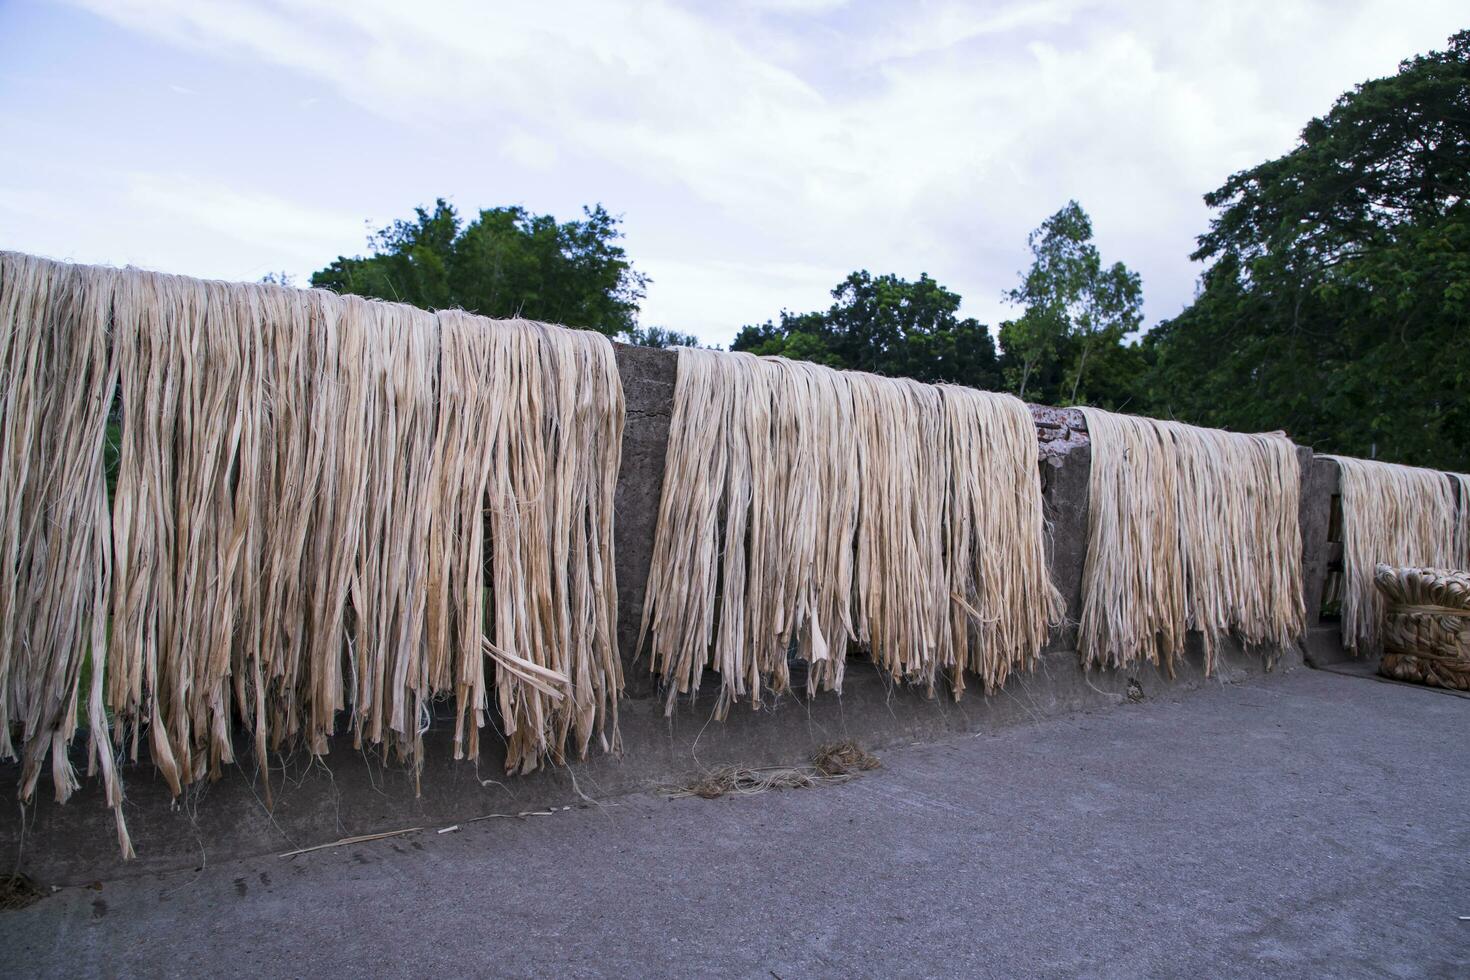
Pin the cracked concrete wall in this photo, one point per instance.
(351, 793)
(1320, 485)
(648, 390)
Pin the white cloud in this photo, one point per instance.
(807, 138)
(261, 221)
(530, 152)
(715, 294)
(177, 223)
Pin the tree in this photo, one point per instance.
(658, 337)
(1067, 347)
(1336, 302)
(506, 262)
(885, 325)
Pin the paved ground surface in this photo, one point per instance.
(1309, 825)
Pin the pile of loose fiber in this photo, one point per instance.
(323, 503)
(1396, 515)
(806, 509)
(835, 762)
(1188, 529)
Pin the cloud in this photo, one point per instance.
(262, 221)
(530, 152)
(802, 139)
(715, 294)
(177, 223)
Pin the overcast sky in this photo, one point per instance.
(759, 152)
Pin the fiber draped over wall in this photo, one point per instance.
(323, 503)
(1401, 516)
(1188, 529)
(56, 378)
(805, 509)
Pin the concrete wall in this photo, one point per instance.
(1320, 486)
(350, 793)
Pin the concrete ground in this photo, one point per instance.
(1312, 824)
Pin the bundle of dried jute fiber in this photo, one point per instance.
(1426, 629)
(1396, 515)
(1188, 529)
(805, 509)
(1428, 609)
(323, 504)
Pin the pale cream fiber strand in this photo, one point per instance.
(56, 378)
(1398, 515)
(716, 452)
(996, 552)
(1133, 573)
(1188, 529)
(1462, 520)
(550, 527)
(309, 488)
(804, 509)
(820, 561)
(903, 595)
(1239, 508)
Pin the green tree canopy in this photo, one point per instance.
(1337, 299)
(1068, 346)
(506, 262)
(658, 337)
(885, 325)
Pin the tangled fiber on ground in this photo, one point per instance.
(841, 758)
(1188, 529)
(1396, 515)
(806, 509)
(323, 503)
(835, 762)
(18, 892)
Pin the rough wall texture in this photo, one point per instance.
(1058, 430)
(1322, 483)
(350, 794)
(1319, 485)
(648, 388)
(1064, 495)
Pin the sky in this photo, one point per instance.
(758, 152)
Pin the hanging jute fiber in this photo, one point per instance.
(323, 504)
(805, 510)
(57, 373)
(1426, 626)
(1188, 529)
(1396, 515)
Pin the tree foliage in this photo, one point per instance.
(885, 325)
(506, 262)
(658, 337)
(1335, 302)
(1337, 299)
(1068, 346)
